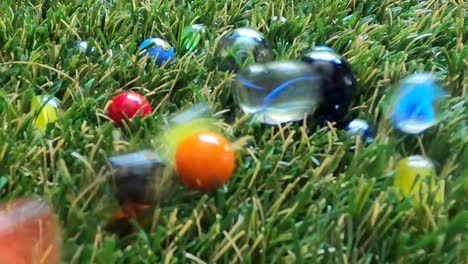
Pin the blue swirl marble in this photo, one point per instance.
(159, 49)
(278, 92)
(414, 110)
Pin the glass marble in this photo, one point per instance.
(241, 47)
(46, 110)
(359, 127)
(135, 176)
(83, 46)
(194, 37)
(189, 120)
(158, 49)
(29, 232)
(338, 82)
(416, 104)
(278, 92)
(280, 20)
(416, 176)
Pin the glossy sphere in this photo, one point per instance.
(278, 92)
(46, 110)
(240, 47)
(416, 176)
(29, 233)
(126, 106)
(280, 20)
(158, 49)
(194, 37)
(191, 119)
(361, 128)
(416, 104)
(337, 81)
(205, 160)
(83, 46)
(135, 176)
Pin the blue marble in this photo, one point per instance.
(415, 107)
(159, 49)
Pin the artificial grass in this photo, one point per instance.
(301, 193)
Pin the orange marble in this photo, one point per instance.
(29, 233)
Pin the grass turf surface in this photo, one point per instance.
(300, 193)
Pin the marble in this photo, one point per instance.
(29, 231)
(416, 176)
(194, 38)
(417, 103)
(338, 83)
(361, 128)
(278, 92)
(157, 49)
(46, 110)
(241, 47)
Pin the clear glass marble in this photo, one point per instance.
(278, 92)
(417, 103)
(361, 128)
(242, 46)
(83, 46)
(195, 37)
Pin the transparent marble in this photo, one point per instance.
(278, 92)
(417, 103)
(241, 47)
(158, 49)
(280, 20)
(83, 46)
(361, 128)
(338, 82)
(195, 37)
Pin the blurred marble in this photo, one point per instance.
(361, 128)
(416, 106)
(46, 110)
(194, 38)
(29, 232)
(241, 47)
(278, 92)
(416, 176)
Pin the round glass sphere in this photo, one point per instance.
(46, 110)
(337, 81)
(361, 128)
(194, 37)
(242, 46)
(416, 104)
(29, 232)
(158, 49)
(416, 176)
(278, 92)
(127, 105)
(83, 46)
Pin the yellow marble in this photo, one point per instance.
(46, 110)
(415, 176)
